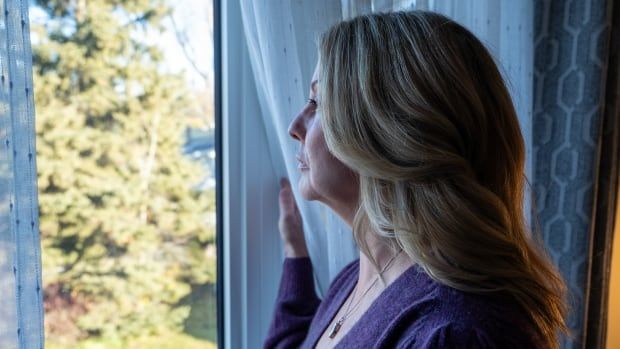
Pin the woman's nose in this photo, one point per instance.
(297, 128)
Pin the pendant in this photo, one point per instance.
(335, 329)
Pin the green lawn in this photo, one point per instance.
(199, 329)
(170, 340)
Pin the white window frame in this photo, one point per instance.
(251, 253)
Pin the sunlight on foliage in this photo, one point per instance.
(126, 237)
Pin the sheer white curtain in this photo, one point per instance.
(21, 310)
(281, 38)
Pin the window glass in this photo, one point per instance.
(125, 157)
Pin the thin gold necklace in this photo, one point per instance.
(348, 312)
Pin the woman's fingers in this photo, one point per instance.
(290, 222)
(290, 219)
(287, 200)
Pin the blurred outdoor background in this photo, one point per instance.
(125, 157)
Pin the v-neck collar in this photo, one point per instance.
(338, 302)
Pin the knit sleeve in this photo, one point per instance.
(296, 305)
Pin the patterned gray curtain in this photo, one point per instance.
(21, 310)
(573, 172)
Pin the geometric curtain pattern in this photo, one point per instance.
(571, 50)
(21, 312)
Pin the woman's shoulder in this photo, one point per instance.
(451, 318)
(453, 335)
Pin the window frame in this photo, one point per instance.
(249, 248)
(217, 63)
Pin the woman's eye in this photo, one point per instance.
(313, 101)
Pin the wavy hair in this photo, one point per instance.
(414, 103)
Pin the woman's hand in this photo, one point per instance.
(290, 223)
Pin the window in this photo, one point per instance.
(126, 166)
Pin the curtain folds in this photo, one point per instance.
(281, 43)
(573, 169)
(21, 309)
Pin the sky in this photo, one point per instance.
(191, 17)
(193, 21)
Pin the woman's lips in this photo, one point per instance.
(302, 165)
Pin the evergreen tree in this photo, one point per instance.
(125, 237)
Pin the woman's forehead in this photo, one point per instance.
(315, 75)
(315, 80)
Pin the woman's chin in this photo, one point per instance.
(305, 188)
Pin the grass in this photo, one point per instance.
(199, 329)
(167, 340)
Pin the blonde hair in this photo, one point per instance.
(414, 103)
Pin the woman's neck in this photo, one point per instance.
(378, 247)
(383, 255)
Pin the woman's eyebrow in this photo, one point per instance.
(313, 85)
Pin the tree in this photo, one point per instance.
(125, 238)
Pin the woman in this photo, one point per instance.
(410, 136)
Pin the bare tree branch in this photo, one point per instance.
(183, 42)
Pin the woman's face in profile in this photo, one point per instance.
(323, 177)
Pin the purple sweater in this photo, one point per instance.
(414, 311)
